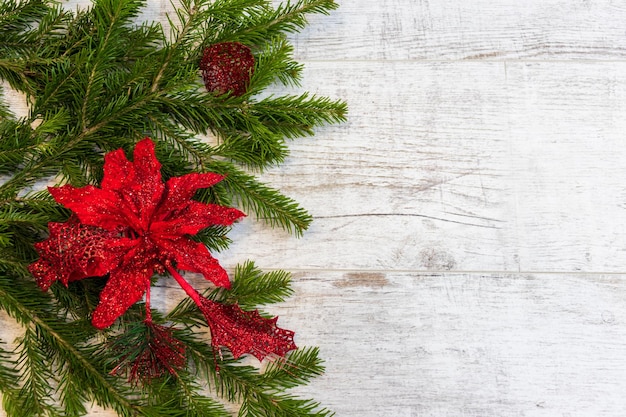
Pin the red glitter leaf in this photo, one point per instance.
(245, 331)
(181, 189)
(240, 331)
(75, 251)
(195, 257)
(93, 206)
(126, 286)
(227, 66)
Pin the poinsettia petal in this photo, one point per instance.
(245, 331)
(149, 188)
(92, 205)
(195, 257)
(126, 286)
(115, 162)
(74, 251)
(193, 217)
(179, 190)
(137, 184)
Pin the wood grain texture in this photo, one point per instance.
(459, 344)
(458, 166)
(475, 30)
(467, 344)
(467, 256)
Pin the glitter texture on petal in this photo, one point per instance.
(75, 251)
(194, 257)
(245, 331)
(193, 217)
(126, 286)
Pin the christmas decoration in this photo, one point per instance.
(150, 354)
(86, 231)
(151, 221)
(135, 225)
(227, 66)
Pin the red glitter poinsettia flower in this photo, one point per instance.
(156, 217)
(135, 225)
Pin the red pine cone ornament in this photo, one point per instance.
(136, 225)
(227, 66)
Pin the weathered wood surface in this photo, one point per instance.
(473, 30)
(459, 166)
(465, 344)
(468, 253)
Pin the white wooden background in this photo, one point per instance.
(468, 252)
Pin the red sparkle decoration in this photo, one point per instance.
(227, 66)
(245, 331)
(135, 225)
(149, 356)
(74, 251)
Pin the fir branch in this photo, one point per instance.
(275, 62)
(13, 72)
(23, 144)
(288, 17)
(252, 287)
(105, 390)
(31, 310)
(257, 148)
(279, 375)
(215, 238)
(298, 368)
(197, 111)
(10, 262)
(27, 28)
(192, 150)
(13, 151)
(78, 300)
(73, 395)
(22, 299)
(203, 20)
(267, 203)
(243, 384)
(18, 229)
(182, 395)
(296, 116)
(282, 406)
(9, 379)
(18, 16)
(112, 19)
(5, 113)
(35, 369)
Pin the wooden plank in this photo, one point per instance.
(458, 166)
(465, 344)
(495, 163)
(453, 30)
(461, 344)
(453, 344)
(478, 29)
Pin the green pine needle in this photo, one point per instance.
(268, 204)
(95, 80)
(252, 287)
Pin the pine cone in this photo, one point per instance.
(227, 66)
